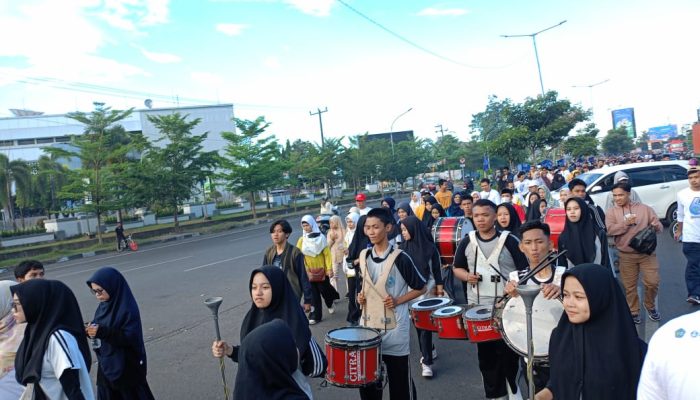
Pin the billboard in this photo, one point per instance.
(663, 132)
(625, 117)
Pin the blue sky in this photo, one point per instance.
(284, 58)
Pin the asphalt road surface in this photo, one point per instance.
(171, 280)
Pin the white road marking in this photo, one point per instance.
(127, 270)
(223, 261)
(153, 265)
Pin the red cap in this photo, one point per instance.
(361, 197)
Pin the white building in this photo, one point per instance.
(24, 137)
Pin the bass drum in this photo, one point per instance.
(447, 233)
(555, 218)
(511, 320)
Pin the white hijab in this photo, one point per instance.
(11, 333)
(350, 233)
(312, 243)
(415, 204)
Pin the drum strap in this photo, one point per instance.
(485, 268)
(374, 314)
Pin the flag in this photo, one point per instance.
(486, 162)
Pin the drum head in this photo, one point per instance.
(431, 304)
(448, 311)
(478, 313)
(545, 317)
(355, 335)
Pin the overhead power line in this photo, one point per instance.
(418, 46)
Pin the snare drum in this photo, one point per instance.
(479, 323)
(555, 218)
(449, 322)
(447, 233)
(354, 357)
(421, 310)
(511, 321)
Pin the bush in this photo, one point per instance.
(167, 212)
(302, 196)
(19, 232)
(112, 219)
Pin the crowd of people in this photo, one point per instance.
(382, 260)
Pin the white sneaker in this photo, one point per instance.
(427, 371)
(434, 354)
(312, 322)
(331, 310)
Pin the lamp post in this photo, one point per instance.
(391, 129)
(534, 43)
(590, 88)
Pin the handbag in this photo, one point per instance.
(316, 274)
(644, 241)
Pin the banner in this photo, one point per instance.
(663, 132)
(625, 117)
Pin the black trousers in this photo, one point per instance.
(425, 341)
(322, 291)
(398, 373)
(354, 311)
(498, 364)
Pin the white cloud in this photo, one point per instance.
(162, 58)
(272, 62)
(131, 14)
(206, 78)
(441, 12)
(231, 29)
(317, 8)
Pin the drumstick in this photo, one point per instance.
(498, 271)
(548, 260)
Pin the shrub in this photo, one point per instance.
(19, 232)
(112, 219)
(225, 205)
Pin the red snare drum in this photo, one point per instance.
(447, 233)
(479, 323)
(449, 322)
(555, 218)
(354, 356)
(421, 310)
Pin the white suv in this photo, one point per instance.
(656, 183)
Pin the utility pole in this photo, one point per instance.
(320, 119)
(439, 128)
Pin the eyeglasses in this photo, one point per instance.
(16, 306)
(97, 292)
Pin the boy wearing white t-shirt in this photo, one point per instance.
(688, 201)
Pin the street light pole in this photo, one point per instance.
(320, 112)
(590, 88)
(391, 129)
(534, 43)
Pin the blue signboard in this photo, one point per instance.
(625, 117)
(663, 132)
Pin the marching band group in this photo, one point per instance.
(402, 262)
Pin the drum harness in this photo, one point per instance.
(388, 320)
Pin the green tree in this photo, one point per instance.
(584, 144)
(98, 150)
(179, 162)
(643, 141)
(251, 161)
(13, 173)
(617, 141)
(48, 181)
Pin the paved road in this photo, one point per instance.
(171, 280)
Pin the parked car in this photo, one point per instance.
(656, 183)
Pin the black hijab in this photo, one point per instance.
(284, 305)
(427, 215)
(578, 238)
(421, 246)
(120, 313)
(441, 210)
(266, 362)
(360, 241)
(600, 359)
(533, 212)
(527, 198)
(406, 206)
(514, 223)
(454, 210)
(391, 203)
(48, 306)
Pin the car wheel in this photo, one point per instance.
(672, 213)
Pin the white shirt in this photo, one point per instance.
(492, 195)
(670, 367)
(558, 272)
(520, 187)
(63, 353)
(689, 214)
(364, 211)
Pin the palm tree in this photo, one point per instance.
(12, 173)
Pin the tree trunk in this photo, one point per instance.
(175, 220)
(252, 203)
(99, 219)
